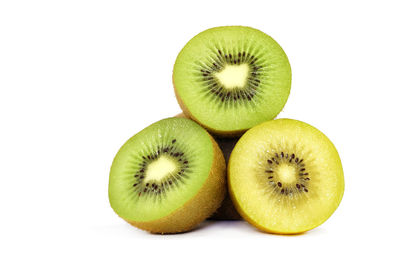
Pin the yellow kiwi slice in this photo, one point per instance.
(168, 177)
(285, 176)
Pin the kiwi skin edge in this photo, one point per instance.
(188, 115)
(227, 209)
(249, 220)
(197, 209)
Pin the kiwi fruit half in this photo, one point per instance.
(168, 177)
(285, 176)
(231, 78)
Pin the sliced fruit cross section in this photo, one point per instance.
(285, 176)
(168, 177)
(230, 79)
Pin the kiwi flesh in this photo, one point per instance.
(231, 78)
(168, 178)
(285, 176)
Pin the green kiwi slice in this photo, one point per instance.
(168, 178)
(232, 78)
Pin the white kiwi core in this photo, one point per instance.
(233, 76)
(160, 168)
(286, 173)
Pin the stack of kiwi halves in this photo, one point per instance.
(226, 155)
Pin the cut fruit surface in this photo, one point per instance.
(232, 78)
(161, 176)
(285, 176)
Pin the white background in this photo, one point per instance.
(78, 78)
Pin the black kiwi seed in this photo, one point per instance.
(303, 177)
(155, 188)
(219, 61)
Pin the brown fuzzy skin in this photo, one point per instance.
(227, 210)
(197, 209)
(188, 115)
(181, 115)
